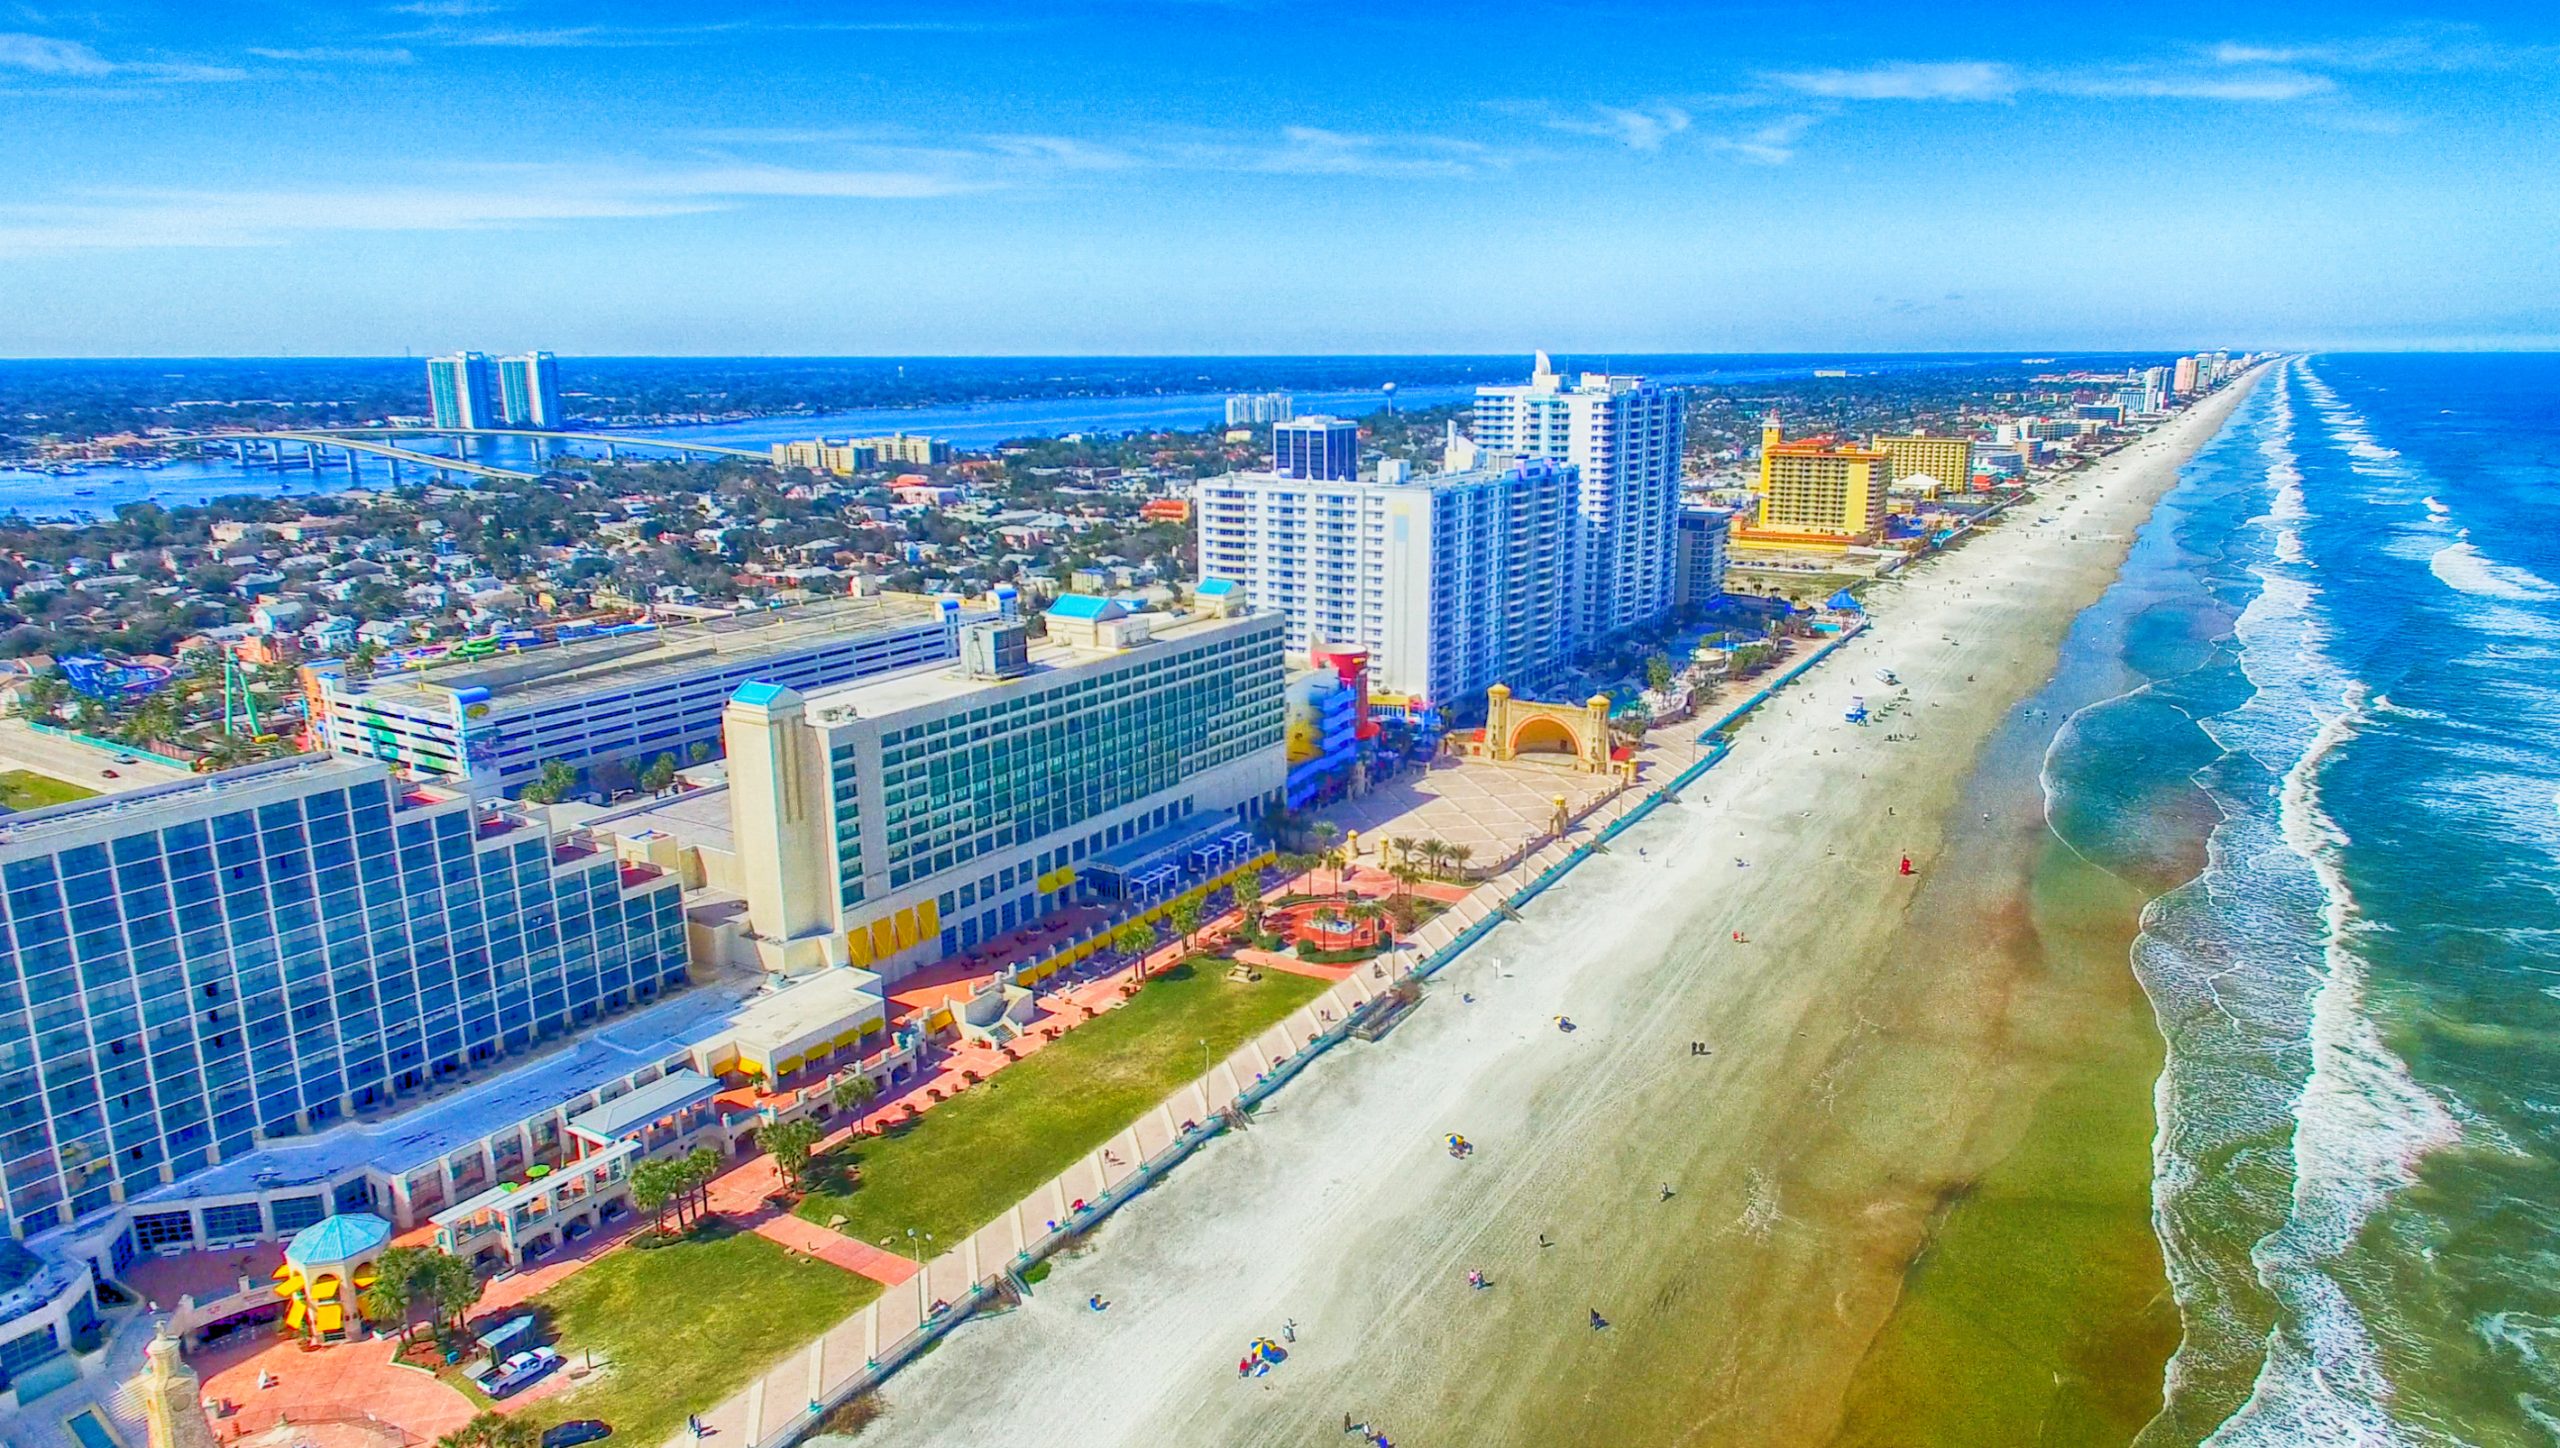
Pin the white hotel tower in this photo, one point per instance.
(1453, 581)
(1623, 436)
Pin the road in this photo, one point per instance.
(23, 748)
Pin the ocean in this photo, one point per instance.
(2345, 705)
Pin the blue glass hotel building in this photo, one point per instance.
(191, 970)
(200, 975)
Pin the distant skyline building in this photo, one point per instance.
(529, 391)
(1248, 408)
(896, 822)
(862, 454)
(1321, 448)
(1451, 581)
(462, 390)
(1622, 436)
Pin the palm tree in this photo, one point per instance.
(653, 1186)
(793, 1144)
(1401, 846)
(1294, 864)
(853, 1092)
(1434, 853)
(1134, 940)
(396, 1277)
(1185, 915)
(1249, 904)
(1333, 859)
(701, 1165)
(1405, 873)
(1459, 855)
(449, 1283)
(1325, 833)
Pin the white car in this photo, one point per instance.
(519, 1370)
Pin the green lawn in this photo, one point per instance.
(25, 789)
(685, 1326)
(966, 1160)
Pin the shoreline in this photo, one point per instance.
(1803, 1197)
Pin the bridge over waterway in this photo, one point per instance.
(321, 448)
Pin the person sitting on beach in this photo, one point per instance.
(1597, 1321)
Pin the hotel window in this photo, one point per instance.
(155, 1230)
(28, 1350)
(233, 1221)
(292, 1214)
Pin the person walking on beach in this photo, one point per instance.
(1667, 1193)
(1597, 1321)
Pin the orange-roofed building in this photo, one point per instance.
(1166, 510)
(1818, 486)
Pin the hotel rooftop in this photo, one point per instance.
(668, 652)
(50, 826)
(1113, 628)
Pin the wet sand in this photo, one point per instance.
(1879, 1048)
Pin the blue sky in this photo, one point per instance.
(1144, 176)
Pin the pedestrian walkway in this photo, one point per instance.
(334, 1382)
(800, 1235)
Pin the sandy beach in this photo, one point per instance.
(1875, 1048)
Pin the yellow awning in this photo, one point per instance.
(293, 1313)
(366, 1277)
(331, 1317)
(324, 1289)
(284, 1272)
(288, 1289)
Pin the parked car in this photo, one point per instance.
(575, 1432)
(520, 1371)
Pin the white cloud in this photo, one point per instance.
(1639, 128)
(1316, 151)
(44, 55)
(1063, 151)
(481, 199)
(1770, 144)
(1991, 80)
(70, 60)
(2265, 85)
(1909, 80)
(2437, 48)
(336, 54)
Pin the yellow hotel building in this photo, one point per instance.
(1819, 489)
(1915, 455)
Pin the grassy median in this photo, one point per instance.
(685, 1325)
(25, 789)
(964, 1161)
